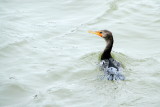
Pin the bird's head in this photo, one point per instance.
(102, 33)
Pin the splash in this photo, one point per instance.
(112, 73)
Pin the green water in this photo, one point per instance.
(47, 58)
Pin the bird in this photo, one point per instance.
(112, 69)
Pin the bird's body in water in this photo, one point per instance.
(110, 66)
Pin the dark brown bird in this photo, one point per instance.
(111, 67)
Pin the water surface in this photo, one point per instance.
(47, 58)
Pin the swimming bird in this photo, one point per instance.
(112, 68)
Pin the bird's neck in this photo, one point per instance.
(107, 51)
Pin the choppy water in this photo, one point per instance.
(47, 58)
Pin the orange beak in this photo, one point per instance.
(96, 32)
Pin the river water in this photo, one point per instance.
(48, 59)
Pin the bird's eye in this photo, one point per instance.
(100, 32)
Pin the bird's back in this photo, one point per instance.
(112, 69)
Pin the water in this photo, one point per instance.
(47, 58)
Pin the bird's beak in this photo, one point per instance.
(96, 32)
